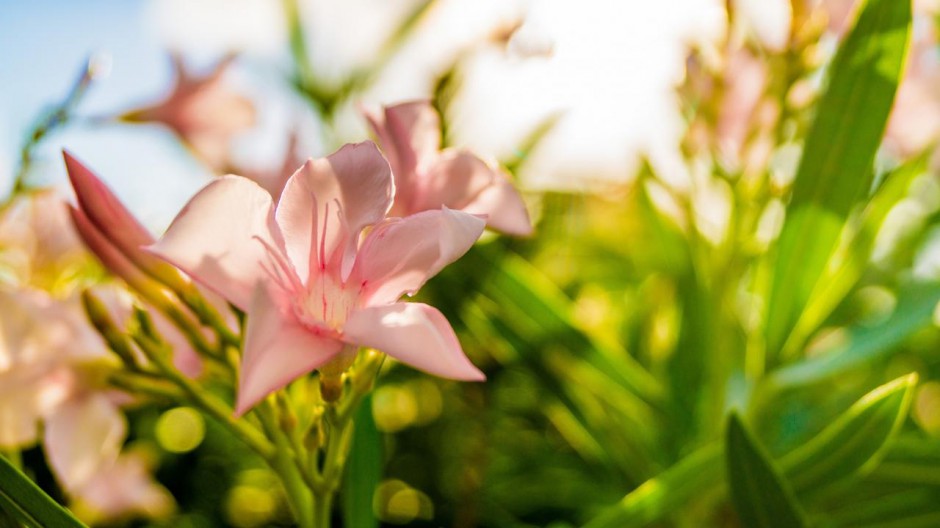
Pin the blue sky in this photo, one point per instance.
(43, 44)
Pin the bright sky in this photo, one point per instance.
(609, 69)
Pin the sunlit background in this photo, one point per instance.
(656, 144)
(606, 70)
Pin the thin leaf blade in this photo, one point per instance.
(855, 441)
(23, 499)
(762, 498)
(835, 171)
(363, 470)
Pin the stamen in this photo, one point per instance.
(280, 269)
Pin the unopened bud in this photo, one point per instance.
(117, 225)
(101, 319)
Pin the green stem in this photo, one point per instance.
(323, 510)
(300, 492)
(210, 404)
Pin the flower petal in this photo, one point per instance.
(455, 179)
(412, 333)
(82, 437)
(461, 180)
(278, 349)
(401, 254)
(415, 132)
(503, 205)
(215, 238)
(124, 489)
(355, 181)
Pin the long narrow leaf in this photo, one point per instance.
(363, 471)
(665, 493)
(865, 344)
(855, 441)
(23, 499)
(835, 171)
(762, 497)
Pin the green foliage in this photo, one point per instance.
(762, 498)
(363, 471)
(21, 498)
(835, 171)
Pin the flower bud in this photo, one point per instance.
(102, 210)
(101, 319)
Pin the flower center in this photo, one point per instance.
(327, 304)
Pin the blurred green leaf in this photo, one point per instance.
(854, 442)
(761, 496)
(23, 499)
(854, 252)
(864, 345)
(665, 493)
(835, 171)
(363, 470)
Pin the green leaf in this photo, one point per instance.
(855, 442)
(864, 345)
(23, 499)
(854, 252)
(665, 493)
(761, 496)
(363, 470)
(835, 171)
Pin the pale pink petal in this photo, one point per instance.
(455, 179)
(349, 190)
(278, 349)
(83, 436)
(222, 237)
(503, 205)
(380, 129)
(125, 488)
(401, 254)
(412, 333)
(461, 180)
(415, 132)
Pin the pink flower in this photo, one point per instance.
(202, 111)
(311, 290)
(112, 232)
(124, 489)
(38, 244)
(427, 178)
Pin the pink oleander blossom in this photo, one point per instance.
(51, 389)
(202, 111)
(124, 489)
(427, 177)
(38, 245)
(312, 292)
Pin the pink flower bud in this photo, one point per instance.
(102, 211)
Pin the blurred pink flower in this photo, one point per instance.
(202, 111)
(311, 291)
(914, 124)
(50, 376)
(38, 245)
(40, 340)
(123, 489)
(427, 178)
(746, 77)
